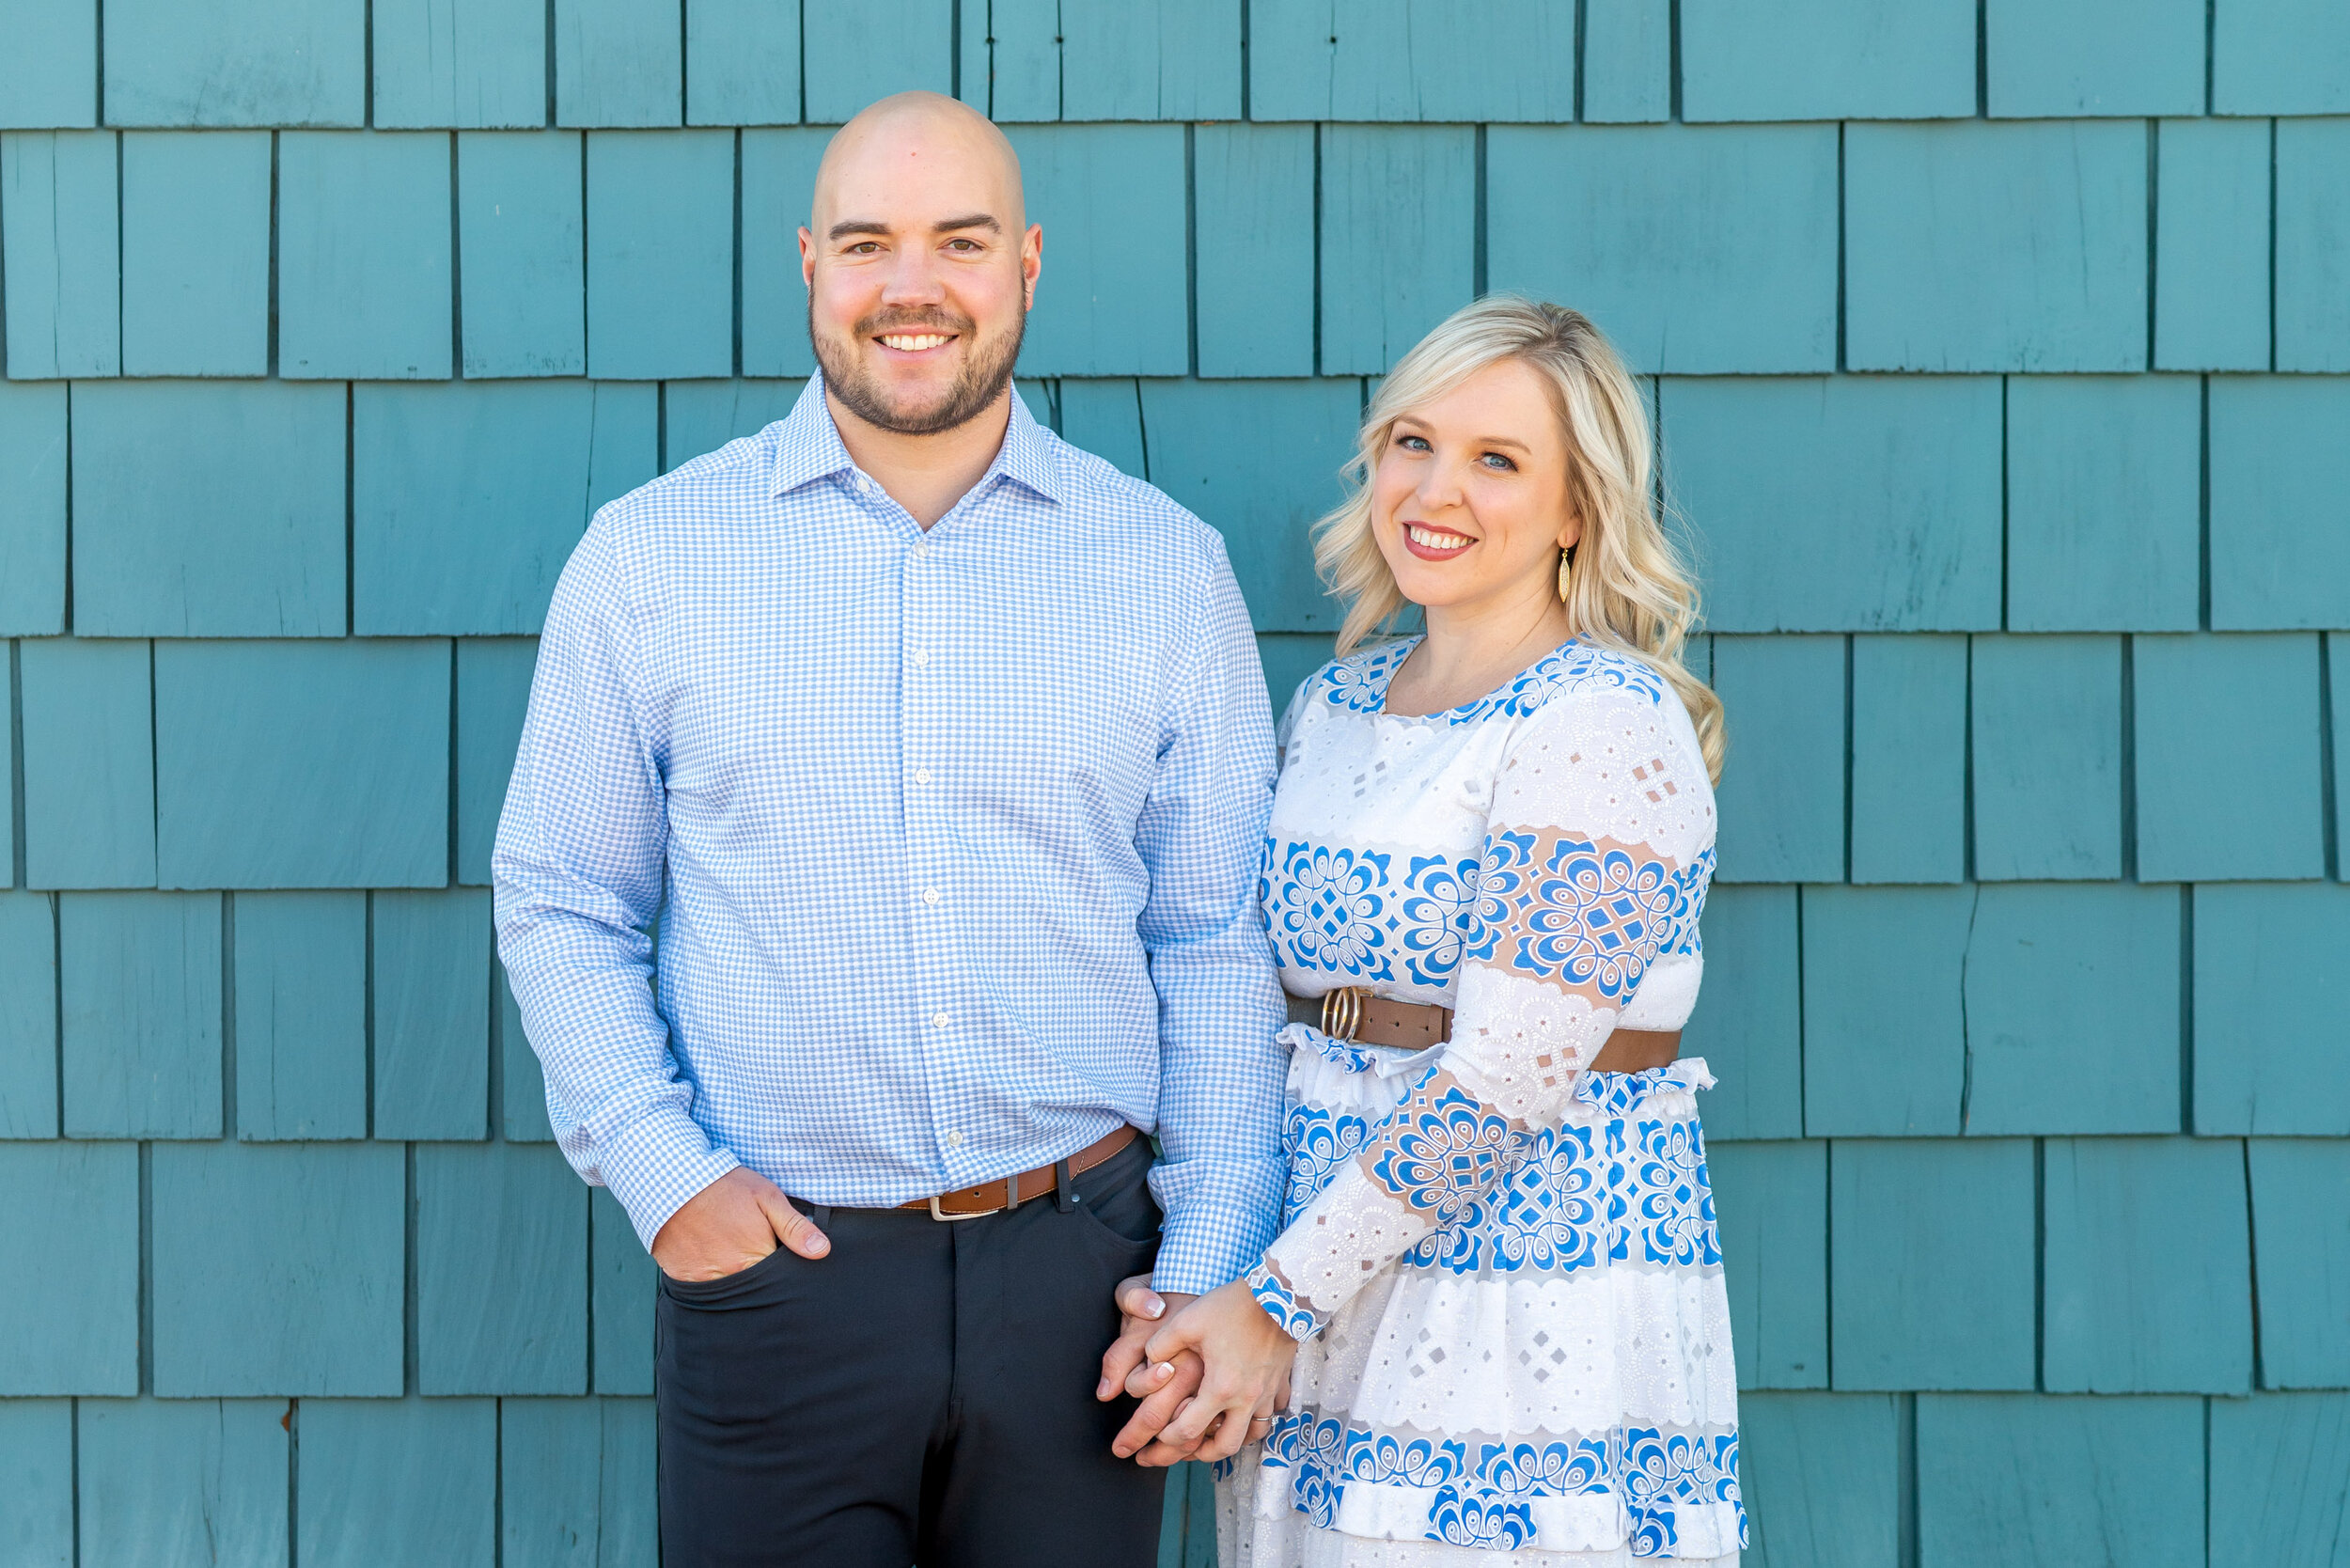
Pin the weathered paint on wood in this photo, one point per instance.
(60, 242)
(2280, 502)
(89, 763)
(1827, 59)
(277, 1270)
(1111, 201)
(1822, 1478)
(1398, 210)
(365, 264)
(1748, 1022)
(2280, 1480)
(660, 254)
(2094, 57)
(300, 1007)
(1782, 808)
(73, 1225)
(2047, 757)
(621, 1285)
(475, 64)
(2011, 1477)
(1771, 1204)
(520, 221)
(365, 1465)
(32, 507)
(2281, 57)
(2301, 1233)
(267, 753)
(2272, 1009)
(235, 62)
(37, 1505)
(501, 1271)
(431, 999)
(778, 187)
(2210, 238)
(1254, 185)
(1908, 758)
(139, 981)
(492, 694)
(195, 253)
(182, 1481)
(576, 1484)
(2201, 699)
(28, 1017)
(700, 416)
(2313, 253)
(1884, 1010)
(742, 63)
(48, 66)
(616, 63)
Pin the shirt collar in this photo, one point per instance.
(808, 447)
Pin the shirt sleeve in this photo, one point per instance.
(578, 868)
(1597, 852)
(1200, 835)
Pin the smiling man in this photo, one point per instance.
(940, 750)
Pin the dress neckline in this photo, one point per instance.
(1361, 684)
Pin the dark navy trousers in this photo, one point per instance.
(922, 1395)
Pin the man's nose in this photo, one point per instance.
(913, 279)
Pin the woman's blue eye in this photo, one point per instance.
(1505, 465)
(1412, 443)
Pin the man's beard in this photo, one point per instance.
(986, 371)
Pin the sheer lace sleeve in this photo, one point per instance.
(1597, 854)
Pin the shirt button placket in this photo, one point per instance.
(935, 962)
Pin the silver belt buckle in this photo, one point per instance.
(937, 1213)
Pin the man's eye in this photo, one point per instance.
(966, 246)
(863, 247)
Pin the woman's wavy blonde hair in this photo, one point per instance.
(1629, 590)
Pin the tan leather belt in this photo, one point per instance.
(1353, 1013)
(1010, 1192)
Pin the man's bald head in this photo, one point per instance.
(918, 137)
(920, 264)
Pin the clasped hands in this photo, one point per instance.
(1211, 1372)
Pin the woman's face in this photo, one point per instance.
(1469, 498)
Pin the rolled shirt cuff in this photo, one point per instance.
(1219, 1220)
(654, 1163)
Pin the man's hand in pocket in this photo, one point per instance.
(731, 1224)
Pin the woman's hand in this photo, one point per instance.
(1164, 1389)
(1248, 1357)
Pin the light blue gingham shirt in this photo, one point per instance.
(952, 837)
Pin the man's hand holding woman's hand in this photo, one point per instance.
(1210, 1374)
(731, 1224)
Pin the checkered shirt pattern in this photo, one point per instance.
(952, 837)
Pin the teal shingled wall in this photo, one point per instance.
(2003, 368)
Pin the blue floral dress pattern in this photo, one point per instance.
(1476, 1236)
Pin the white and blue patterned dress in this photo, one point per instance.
(1503, 1270)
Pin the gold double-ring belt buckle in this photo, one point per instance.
(1342, 1011)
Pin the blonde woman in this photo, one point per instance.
(1485, 864)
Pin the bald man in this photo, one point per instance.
(941, 752)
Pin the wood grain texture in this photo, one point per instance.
(28, 1017)
(576, 1484)
(621, 1286)
(1827, 59)
(2047, 755)
(1411, 60)
(2281, 57)
(1399, 205)
(32, 507)
(2208, 706)
(1748, 1020)
(1111, 201)
(1255, 274)
(493, 695)
(742, 63)
(48, 63)
(277, 1270)
(60, 242)
(1698, 250)
(1821, 1474)
(468, 496)
(182, 1481)
(778, 190)
(1933, 1272)
(2094, 57)
(207, 509)
(2104, 481)
(1150, 59)
(519, 217)
(268, 752)
(2272, 1009)
(2149, 1271)
(432, 966)
(139, 979)
(2313, 245)
(1104, 417)
(1771, 1203)
(1908, 758)
(1263, 495)
(365, 267)
(1627, 63)
(1782, 810)
(2025, 1479)
(89, 763)
(366, 1462)
(472, 64)
(235, 62)
(1884, 1010)
(2280, 1480)
(501, 1271)
(856, 51)
(2072, 1011)
(616, 63)
(300, 1011)
(2211, 234)
(75, 1226)
(195, 253)
(1984, 246)
(660, 254)
(2301, 1232)
(37, 1505)
(2280, 503)
(1848, 503)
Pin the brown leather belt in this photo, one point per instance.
(1353, 1013)
(1010, 1192)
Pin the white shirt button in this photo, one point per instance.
(930, 895)
(954, 1140)
(921, 657)
(921, 776)
(938, 1020)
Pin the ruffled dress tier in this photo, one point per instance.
(1502, 1269)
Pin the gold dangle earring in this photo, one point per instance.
(1566, 571)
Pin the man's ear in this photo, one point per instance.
(1031, 261)
(807, 260)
